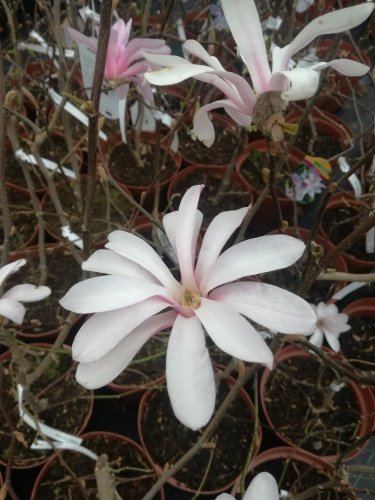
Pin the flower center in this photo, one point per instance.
(191, 299)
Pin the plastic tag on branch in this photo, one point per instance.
(67, 233)
(74, 111)
(348, 290)
(370, 241)
(57, 439)
(336, 386)
(303, 5)
(108, 101)
(49, 164)
(148, 119)
(87, 13)
(353, 179)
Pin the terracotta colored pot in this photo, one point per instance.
(327, 124)
(143, 461)
(359, 308)
(266, 218)
(364, 397)
(345, 200)
(81, 422)
(297, 455)
(339, 263)
(149, 140)
(200, 174)
(142, 415)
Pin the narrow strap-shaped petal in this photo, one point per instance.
(28, 293)
(186, 236)
(269, 306)
(317, 337)
(196, 49)
(11, 268)
(12, 309)
(333, 22)
(103, 331)
(106, 293)
(255, 256)
(79, 38)
(102, 371)
(139, 46)
(243, 20)
(238, 117)
(171, 222)
(262, 487)
(190, 378)
(217, 234)
(332, 339)
(175, 70)
(346, 67)
(232, 333)
(123, 91)
(135, 249)
(109, 262)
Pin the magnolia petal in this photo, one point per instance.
(243, 20)
(255, 256)
(324, 310)
(173, 72)
(103, 331)
(317, 337)
(123, 89)
(203, 127)
(232, 333)
(333, 22)
(11, 268)
(102, 371)
(269, 306)
(137, 47)
(262, 487)
(77, 37)
(190, 378)
(346, 67)
(171, 222)
(106, 293)
(337, 323)
(225, 496)
(238, 117)
(196, 49)
(186, 236)
(109, 262)
(304, 83)
(333, 340)
(28, 293)
(217, 234)
(135, 249)
(12, 309)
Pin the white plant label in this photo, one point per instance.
(370, 241)
(353, 179)
(51, 165)
(67, 233)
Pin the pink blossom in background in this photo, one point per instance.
(128, 302)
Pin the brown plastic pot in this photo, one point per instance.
(35, 459)
(364, 397)
(296, 455)
(142, 415)
(341, 200)
(266, 218)
(86, 443)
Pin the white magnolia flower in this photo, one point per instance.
(330, 324)
(128, 302)
(10, 301)
(262, 487)
(272, 88)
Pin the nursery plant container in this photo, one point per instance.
(232, 440)
(70, 404)
(321, 414)
(136, 475)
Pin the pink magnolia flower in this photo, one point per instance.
(124, 64)
(10, 301)
(262, 487)
(272, 89)
(128, 301)
(330, 324)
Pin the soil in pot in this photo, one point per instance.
(166, 440)
(55, 148)
(358, 344)
(14, 174)
(321, 145)
(58, 402)
(134, 475)
(339, 222)
(111, 211)
(221, 151)
(62, 272)
(146, 367)
(324, 416)
(124, 168)
(295, 477)
(23, 220)
(235, 198)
